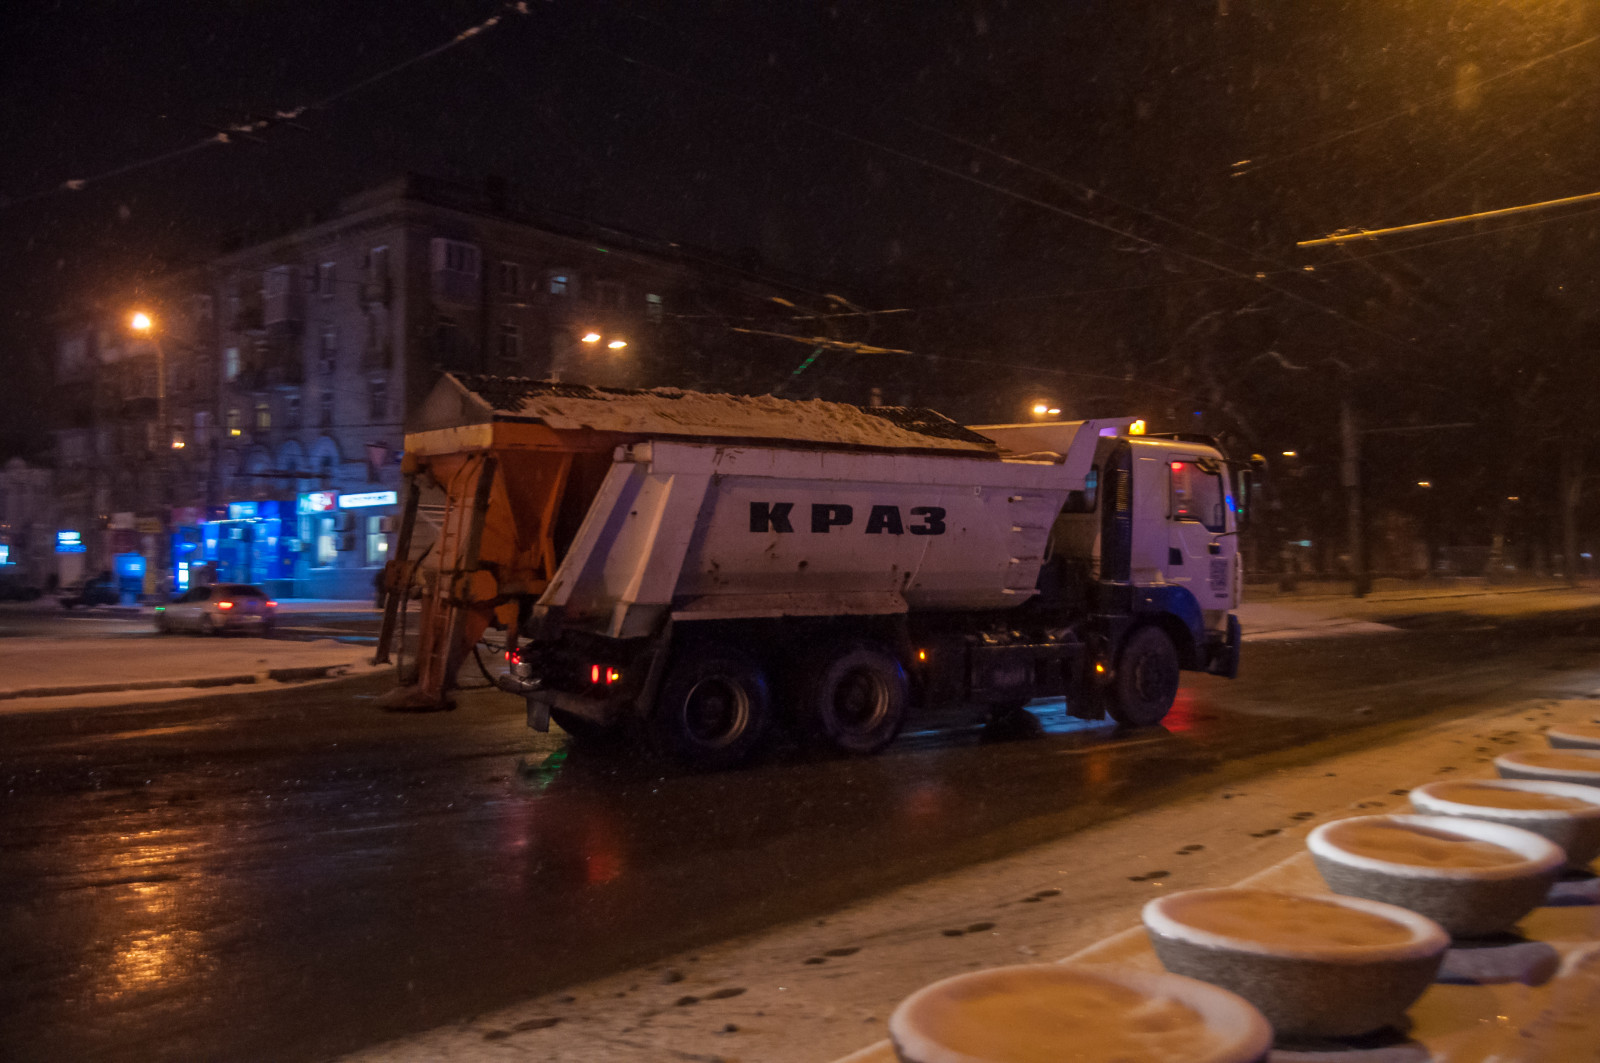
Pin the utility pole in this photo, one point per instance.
(1350, 480)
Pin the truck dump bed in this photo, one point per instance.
(518, 464)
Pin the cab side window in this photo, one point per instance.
(1197, 495)
(1084, 501)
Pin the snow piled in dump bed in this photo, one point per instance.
(674, 412)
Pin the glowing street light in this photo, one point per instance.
(140, 321)
(617, 345)
(1041, 408)
(591, 337)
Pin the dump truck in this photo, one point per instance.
(700, 570)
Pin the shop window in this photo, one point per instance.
(377, 541)
(325, 543)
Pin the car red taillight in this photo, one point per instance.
(224, 605)
(271, 604)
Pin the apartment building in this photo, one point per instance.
(254, 432)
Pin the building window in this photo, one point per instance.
(447, 343)
(230, 364)
(326, 279)
(325, 409)
(653, 310)
(510, 344)
(328, 354)
(456, 268)
(377, 541)
(325, 549)
(202, 421)
(377, 400)
(510, 279)
(560, 284)
(291, 411)
(263, 415)
(235, 421)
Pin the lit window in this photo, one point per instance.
(653, 308)
(263, 415)
(560, 284)
(230, 364)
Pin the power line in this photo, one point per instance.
(256, 126)
(1460, 219)
(1246, 166)
(1256, 278)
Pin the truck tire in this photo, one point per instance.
(854, 699)
(1146, 680)
(713, 709)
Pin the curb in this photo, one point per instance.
(272, 675)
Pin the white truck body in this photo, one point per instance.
(724, 556)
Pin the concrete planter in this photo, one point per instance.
(1574, 736)
(1581, 766)
(1076, 1012)
(1466, 901)
(1308, 979)
(1575, 830)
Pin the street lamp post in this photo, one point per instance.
(143, 325)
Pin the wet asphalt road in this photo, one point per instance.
(287, 876)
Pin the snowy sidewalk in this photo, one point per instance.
(38, 673)
(823, 988)
(1329, 611)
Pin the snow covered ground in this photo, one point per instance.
(824, 989)
(45, 673)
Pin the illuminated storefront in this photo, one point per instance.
(345, 539)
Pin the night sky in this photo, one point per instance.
(1049, 183)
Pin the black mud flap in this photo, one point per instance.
(1225, 660)
(538, 713)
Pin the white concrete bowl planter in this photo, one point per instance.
(1565, 813)
(1472, 877)
(1084, 1013)
(1574, 735)
(1315, 965)
(1581, 766)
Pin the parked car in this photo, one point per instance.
(97, 590)
(219, 608)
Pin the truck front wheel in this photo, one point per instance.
(1146, 680)
(713, 709)
(855, 699)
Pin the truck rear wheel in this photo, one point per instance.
(1147, 679)
(713, 709)
(854, 699)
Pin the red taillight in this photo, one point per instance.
(271, 604)
(514, 656)
(600, 674)
(224, 605)
(594, 673)
(612, 675)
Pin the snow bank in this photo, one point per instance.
(673, 412)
